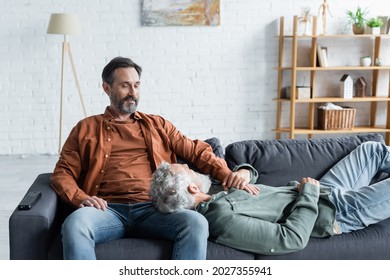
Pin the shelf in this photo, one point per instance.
(336, 68)
(332, 36)
(320, 94)
(337, 99)
(362, 129)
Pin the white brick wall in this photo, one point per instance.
(209, 81)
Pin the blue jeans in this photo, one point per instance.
(359, 204)
(89, 226)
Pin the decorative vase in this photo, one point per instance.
(365, 61)
(306, 32)
(357, 30)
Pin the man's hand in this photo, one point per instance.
(240, 180)
(308, 180)
(94, 201)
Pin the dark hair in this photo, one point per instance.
(118, 62)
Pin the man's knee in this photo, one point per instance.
(200, 221)
(374, 147)
(195, 220)
(77, 222)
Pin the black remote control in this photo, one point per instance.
(29, 200)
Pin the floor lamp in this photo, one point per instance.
(65, 24)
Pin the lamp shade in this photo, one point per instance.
(64, 24)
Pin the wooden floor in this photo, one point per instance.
(16, 175)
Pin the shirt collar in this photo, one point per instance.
(109, 117)
(204, 206)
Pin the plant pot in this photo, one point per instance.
(365, 61)
(375, 30)
(357, 30)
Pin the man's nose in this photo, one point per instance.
(131, 90)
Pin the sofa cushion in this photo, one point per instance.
(216, 146)
(280, 161)
(148, 249)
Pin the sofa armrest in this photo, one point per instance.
(31, 231)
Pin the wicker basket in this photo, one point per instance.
(336, 119)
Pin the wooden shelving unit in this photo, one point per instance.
(314, 100)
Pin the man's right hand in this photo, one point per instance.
(94, 201)
(307, 180)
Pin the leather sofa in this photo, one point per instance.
(34, 234)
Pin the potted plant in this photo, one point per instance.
(375, 24)
(357, 19)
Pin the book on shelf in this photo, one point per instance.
(324, 52)
(320, 61)
(322, 56)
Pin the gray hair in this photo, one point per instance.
(168, 190)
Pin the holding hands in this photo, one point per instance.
(240, 180)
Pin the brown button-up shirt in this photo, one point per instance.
(86, 158)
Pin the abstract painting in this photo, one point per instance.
(180, 12)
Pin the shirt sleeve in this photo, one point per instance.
(198, 152)
(253, 172)
(67, 171)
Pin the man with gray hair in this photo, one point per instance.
(281, 220)
(169, 187)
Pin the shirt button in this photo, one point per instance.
(108, 128)
(109, 139)
(102, 171)
(97, 186)
(272, 250)
(106, 156)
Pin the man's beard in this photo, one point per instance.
(205, 182)
(121, 104)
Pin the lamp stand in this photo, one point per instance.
(66, 49)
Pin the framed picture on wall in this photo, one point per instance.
(180, 12)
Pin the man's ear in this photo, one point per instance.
(193, 189)
(106, 88)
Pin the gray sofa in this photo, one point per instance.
(34, 234)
